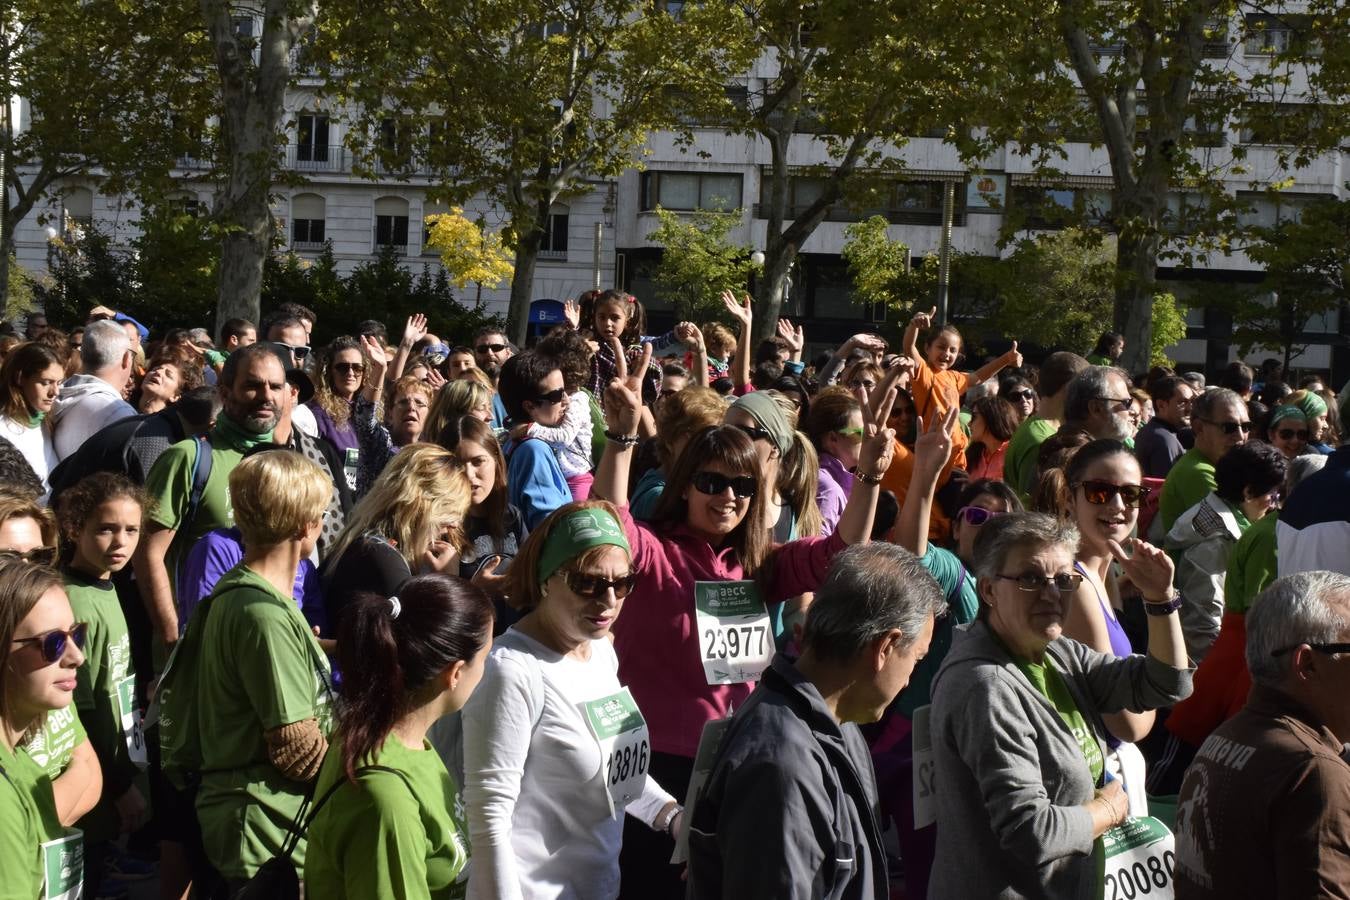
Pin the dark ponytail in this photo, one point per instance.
(387, 661)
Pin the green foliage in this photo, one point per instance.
(83, 274)
(1169, 327)
(698, 263)
(877, 264)
(20, 296)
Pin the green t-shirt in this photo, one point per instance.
(169, 484)
(392, 836)
(1252, 564)
(106, 683)
(1049, 683)
(260, 668)
(27, 820)
(958, 586)
(1019, 463)
(55, 742)
(1190, 480)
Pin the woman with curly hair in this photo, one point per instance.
(341, 373)
(172, 371)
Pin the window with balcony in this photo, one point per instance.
(311, 139)
(553, 245)
(1051, 207)
(1270, 35)
(1266, 209)
(687, 191)
(903, 201)
(307, 222)
(391, 224)
(395, 144)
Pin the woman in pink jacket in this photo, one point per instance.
(697, 632)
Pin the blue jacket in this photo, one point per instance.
(534, 483)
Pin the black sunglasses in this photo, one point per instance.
(756, 433)
(299, 351)
(551, 397)
(714, 483)
(1320, 648)
(1099, 493)
(352, 368)
(53, 643)
(38, 556)
(490, 348)
(1230, 427)
(1289, 434)
(1022, 395)
(593, 587)
(1121, 404)
(1034, 582)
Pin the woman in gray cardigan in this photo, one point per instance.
(1018, 739)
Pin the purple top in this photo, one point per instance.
(220, 550)
(344, 438)
(1120, 641)
(832, 491)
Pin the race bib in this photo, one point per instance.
(619, 729)
(735, 640)
(131, 721)
(351, 465)
(63, 866)
(709, 742)
(925, 777)
(1140, 858)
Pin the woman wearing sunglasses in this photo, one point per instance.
(1288, 431)
(342, 371)
(40, 651)
(1248, 478)
(835, 426)
(1017, 723)
(556, 750)
(791, 468)
(698, 633)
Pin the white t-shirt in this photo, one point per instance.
(539, 823)
(36, 446)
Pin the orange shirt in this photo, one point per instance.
(936, 392)
(897, 479)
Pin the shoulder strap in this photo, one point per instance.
(304, 816)
(201, 474)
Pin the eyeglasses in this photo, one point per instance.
(1121, 406)
(551, 397)
(53, 643)
(349, 368)
(1026, 394)
(489, 348)
(714, 483)
(1230, 427)
(1328, 649)
(976, 515)
(593, 587)
(38, 556)
(756, 433)
(854, 435)
(1099, 493)
(299, 351)
(866, 383)
(1289, 434)
(1034, 583)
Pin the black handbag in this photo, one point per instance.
(277, 879)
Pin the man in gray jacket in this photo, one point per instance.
(790, 809)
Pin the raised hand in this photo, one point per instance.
(933, 447)
(688, 334)
(795, 337)
(878, 449)
(435, 379)
(872, 343)
(1012, 357)
(572, 313)
(375, 352)
(623, 407)
(923, 320)
(739, 311)
(414, 330)
(1148, 568)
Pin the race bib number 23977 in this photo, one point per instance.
(735, 639)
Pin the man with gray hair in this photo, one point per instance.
(93, 400)
(1098, 402)
(789, 808)
(1265, 808)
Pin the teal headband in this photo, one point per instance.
(1312, 405)
(577, 532)
(1280, 413)
(769, 416)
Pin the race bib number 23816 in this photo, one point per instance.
(735, 639)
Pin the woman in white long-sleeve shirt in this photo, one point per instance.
(555, 749)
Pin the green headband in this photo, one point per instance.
(1312, 405)
(1280, 413)
(765, 411)
(577, 532)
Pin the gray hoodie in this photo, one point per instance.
(86, 404)
(1011, 779)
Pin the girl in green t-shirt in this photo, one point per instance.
(40, 643)
(100, 520)
(393, 825)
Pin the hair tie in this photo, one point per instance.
(395, 607)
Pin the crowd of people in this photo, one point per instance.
(661, 615)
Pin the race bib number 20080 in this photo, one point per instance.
(735, 639)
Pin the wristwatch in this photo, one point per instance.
(1164, 607)
(865, 478)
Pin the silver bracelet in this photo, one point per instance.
(670, 818)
